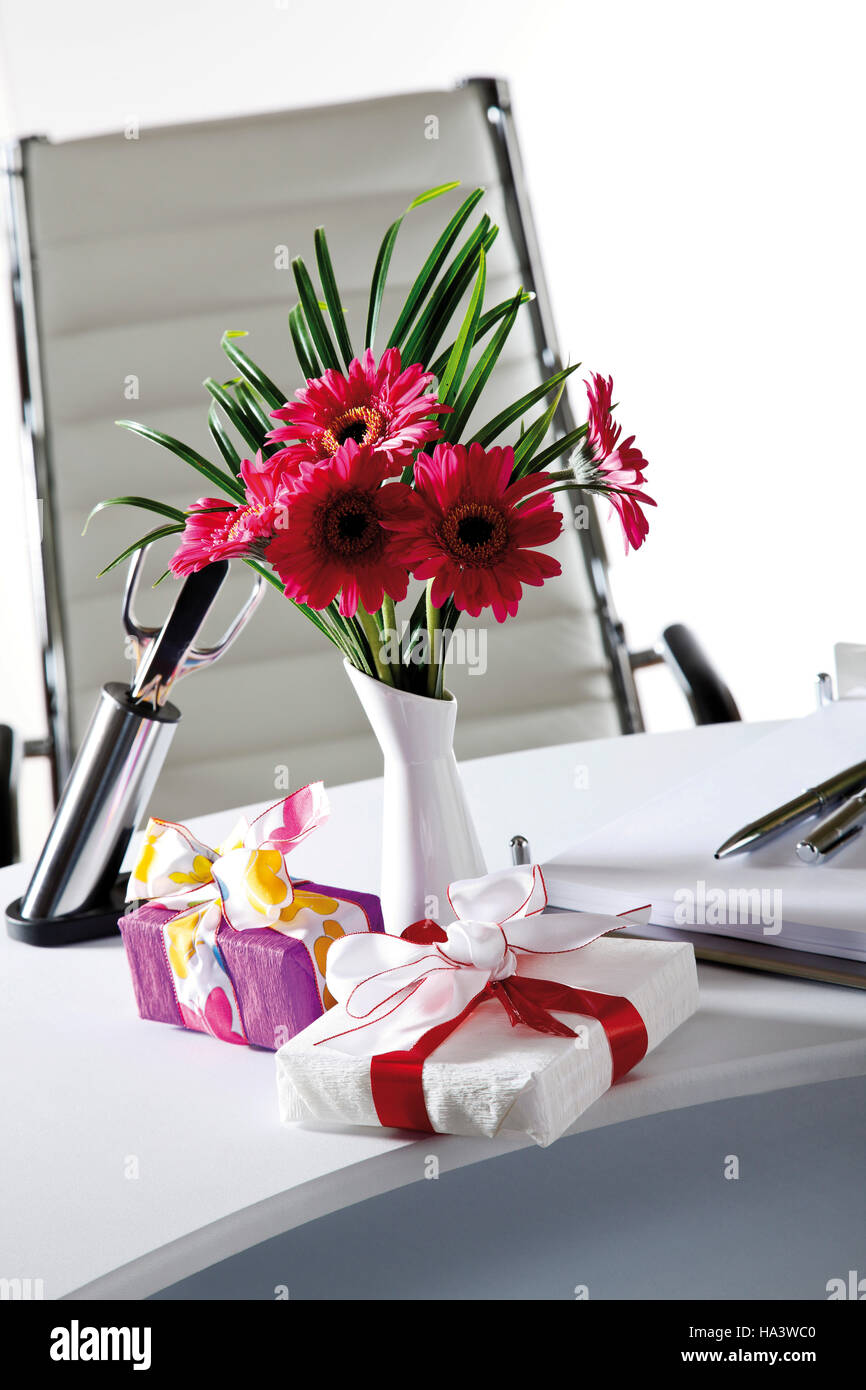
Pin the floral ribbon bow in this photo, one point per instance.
(409, 993)
(245, 883)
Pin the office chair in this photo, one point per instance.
(131, 257)
(8, 796)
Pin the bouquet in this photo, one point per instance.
(371, 481)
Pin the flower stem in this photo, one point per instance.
(374, 641)
(434, 617)
(389, 632)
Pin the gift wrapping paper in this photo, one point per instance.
(491, 1073)
(227, 942)
(488, 1076)
(278, 981)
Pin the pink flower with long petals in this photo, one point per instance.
(381, 406)
(335, 541)
(612, 466)
(473, 532)
(217, 529)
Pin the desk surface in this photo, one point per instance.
(137, 1154)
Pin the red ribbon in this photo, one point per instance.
(396, 1077)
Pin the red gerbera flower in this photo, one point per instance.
(217, 529)
(473, 532)
(614, 468)
(380, 406)
(334, 540)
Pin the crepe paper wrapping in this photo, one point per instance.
(488, 1073)
(240, 951)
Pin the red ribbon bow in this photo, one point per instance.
(396, 1077)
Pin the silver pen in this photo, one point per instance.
(835, 830)
(808, 803)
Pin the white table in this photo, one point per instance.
(136, 1154)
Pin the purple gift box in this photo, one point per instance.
(259, 986)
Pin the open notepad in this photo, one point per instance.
(661, 851)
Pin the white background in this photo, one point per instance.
(696, 173)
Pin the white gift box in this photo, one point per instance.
(488, 1076)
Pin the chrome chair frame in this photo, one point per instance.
(36, 460)
(495, 93)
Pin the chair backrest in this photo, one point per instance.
(142, 248)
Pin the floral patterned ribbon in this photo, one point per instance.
(242, 885)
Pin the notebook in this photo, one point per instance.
(661, 852)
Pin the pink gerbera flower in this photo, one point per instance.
(217, 529)
(474, 532)
(614, 467)
(379, 406)
(334, 541)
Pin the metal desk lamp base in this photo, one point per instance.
(90, 925)
(76, 893)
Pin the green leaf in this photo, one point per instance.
(488, 321)
(252, 374)
(432, 193)
(147, 503)
(221, 438)
(328, 622)
(431, 267)
(451, 303)
(452, 377)
(380, 275)
(349, 637)
(265, 573)
(216, 475)
(560, 446)
(383, 261)
(156, 535)
(234, 412)
(445, 299)
(303, 344)
(471, 393)
(432, 312)
(535, 435)
(314, 316)
(256, 418)
(416, 621)
(332, 295)
(500, 422)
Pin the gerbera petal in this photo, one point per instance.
(378, 404)
(335, 540)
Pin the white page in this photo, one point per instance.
(661, 852)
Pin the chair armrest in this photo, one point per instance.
(710, 699)
(8, 796)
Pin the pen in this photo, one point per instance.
(814, 799)
(835, 830)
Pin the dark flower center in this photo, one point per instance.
(350, 527)
(362, 423)
(476, 533)
(356, 429)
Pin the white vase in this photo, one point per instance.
(428, 839)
